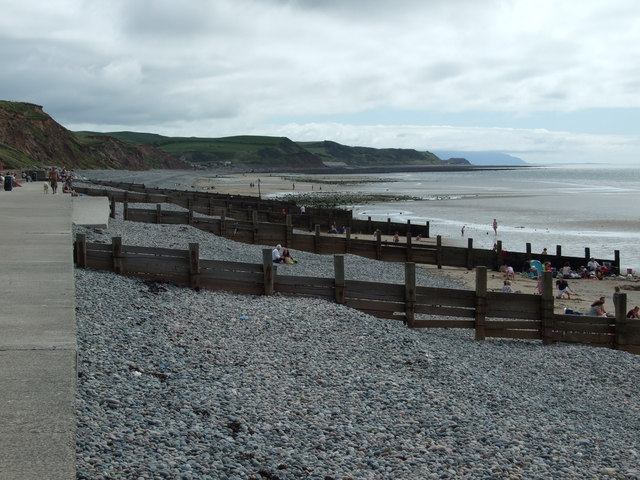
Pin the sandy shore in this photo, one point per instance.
(585, 292)
(272, 183)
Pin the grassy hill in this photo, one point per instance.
(275, 152)
(30, 138)
(367, 156)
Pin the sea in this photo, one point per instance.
(576, 207)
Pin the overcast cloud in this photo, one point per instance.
(548, 81)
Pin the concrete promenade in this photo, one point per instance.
(38, 350)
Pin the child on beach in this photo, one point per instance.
(563, 288)
(509, 274)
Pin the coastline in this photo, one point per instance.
(175, 383)
(585, 291)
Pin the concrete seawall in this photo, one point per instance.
(38, 349)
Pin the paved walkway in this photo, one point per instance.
(38, 350)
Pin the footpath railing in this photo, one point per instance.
(490, 314)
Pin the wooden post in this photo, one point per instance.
(338, 268)
(409, 251)
(347, 240)
(481, 303)
(427, 236)
(410, 293)
(587, 255)
(194, 266)
(547, 308)
(211, 209)
(288, 233)
(439, 251)
(116, 253)
(112, 206)
(81, 250)
(159, 213)
(528, 248)
(369, 226)
(389, 232)
(190, 214)
(620, 303)
(254, 221)
(469, 253)
(498, 255)
(616, 261)
(269, 271)
(558, 253)
(125, 210)
(316, 239)
(378, 245)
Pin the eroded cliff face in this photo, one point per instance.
(27, 129)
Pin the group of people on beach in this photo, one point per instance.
(593, 270)
(597, 310)
(282, 255)
(8, 181)
(61, 175)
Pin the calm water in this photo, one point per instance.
(595, 207)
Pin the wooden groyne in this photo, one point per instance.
(249, 220)
(489, 314)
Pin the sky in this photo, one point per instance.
(549, 81)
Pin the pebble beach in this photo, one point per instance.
(180, 384)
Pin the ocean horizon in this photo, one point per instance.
(576, 207)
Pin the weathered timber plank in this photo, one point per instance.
(445, 311)
(314, 281)
(423, 323)
(242, 287)
(103, 247)
(305, 290)
(630, 348)
(509, 324)
(591, 339)
(374, 291)
(444, 296)
(373, 305)
(100, 261)
(581, 327)
(232, 266)
(152, 266)
(155, 252)
(583, 320)
(520, 334)
(226, 275)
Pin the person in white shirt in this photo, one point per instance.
(276, 254)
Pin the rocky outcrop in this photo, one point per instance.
(31, 138)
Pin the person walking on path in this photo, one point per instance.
(495, 226)
(53, 180)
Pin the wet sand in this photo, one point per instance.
(269, 184)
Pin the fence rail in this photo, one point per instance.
(249, 209)
(490, 314)
(425, 252)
